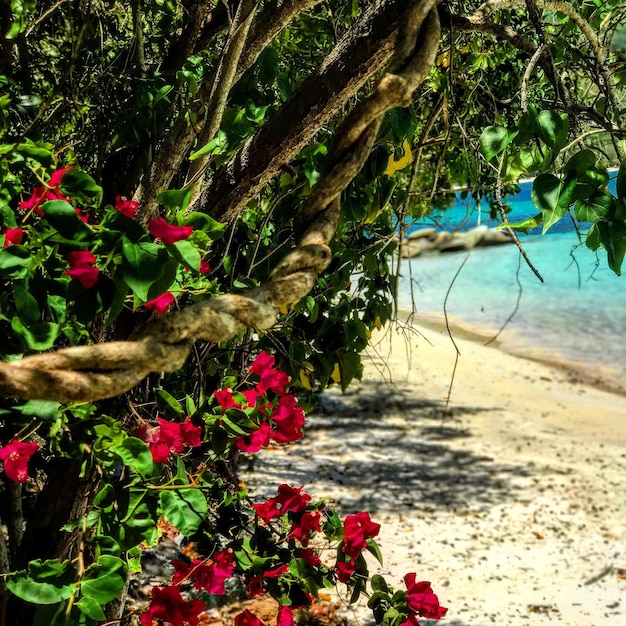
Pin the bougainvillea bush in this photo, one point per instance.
(69, 260)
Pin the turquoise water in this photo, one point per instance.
(578, 314)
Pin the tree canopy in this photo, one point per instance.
(251, 166)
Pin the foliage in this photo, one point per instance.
(135, 178)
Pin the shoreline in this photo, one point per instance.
(599, 376)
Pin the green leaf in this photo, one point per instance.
(25, 303)
(378, 583)
(592, 241)
(185, 253)
(63, 218)
(142, 265)
(174, 199)
(14, 262)
(494, 139)
(168, 404)
(91, 608)
(524, 226)
(79, 185)
(552, 196)
(581, 162)
(552, 128)
(268, 65)
(46, 410)
(37, 337)
(46, 582)
(374, 548)
(349, 367)
(136, 455)
(595, 208)
(613, 238)
(217, 145)
(104, 579)
(186, 509)
(205, 223)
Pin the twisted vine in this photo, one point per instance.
(96, 372)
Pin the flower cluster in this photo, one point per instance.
(83, 268)
(51, 191)
(421, 600)
(358, 528)
(170, 437)
(15, 456)
(280, 421)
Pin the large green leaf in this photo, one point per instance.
(79, 185)
(186, 509)
(14, 262)
(552, 196)
(613, 238)
(136, 455)
(91, 608)
(104, 579)
(142, 265)
(39, 337)
(595, 208)
(46, 582)
(63, 218)
(494, 139)
(25, 302)
(552, 128)
(186, 254)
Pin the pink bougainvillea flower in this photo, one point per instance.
(255, 584)
(15, 456)
(256, 440)
(57, 176)
(288, 418)
(224, 397)
(160, 305)
(357, 529)
(247, 619)
(126, 207)
(211, 577)
(421, 599)
(13, 236)
(288, 499)
(82, 268)
(168, 233)
(310, 556)
(303, 528)
(168, 605)
(344, 570)
(205, 268)
(284, 617)
(270, 379)
(172, 437)
(410, 620)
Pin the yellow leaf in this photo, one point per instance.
(304, 380)
(402, 162)
(443, 59)
(378, 323)
(336, 374)
(284, 309)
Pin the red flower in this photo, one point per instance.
(13, 236)
(126, 207)
(288, 499)
(289, 419)
(211, 578)
(271, 379)
(255, 440)
(172, 437)
(302, 529)
(310, 556)
(168, 605)
(421, 599)
(168, 233)
(357, 529)
(82, 268)
(56, 177)
(247, 619)
(159, 305)
(205, 268)
(15, 456)
(255, 584)
(344, 570)
(42, 194)
(224, 397)
(284, 617)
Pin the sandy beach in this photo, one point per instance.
(511, 501)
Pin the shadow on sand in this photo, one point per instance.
(381, 450)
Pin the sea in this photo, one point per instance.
(575, 318)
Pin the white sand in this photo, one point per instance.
(512, 503)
